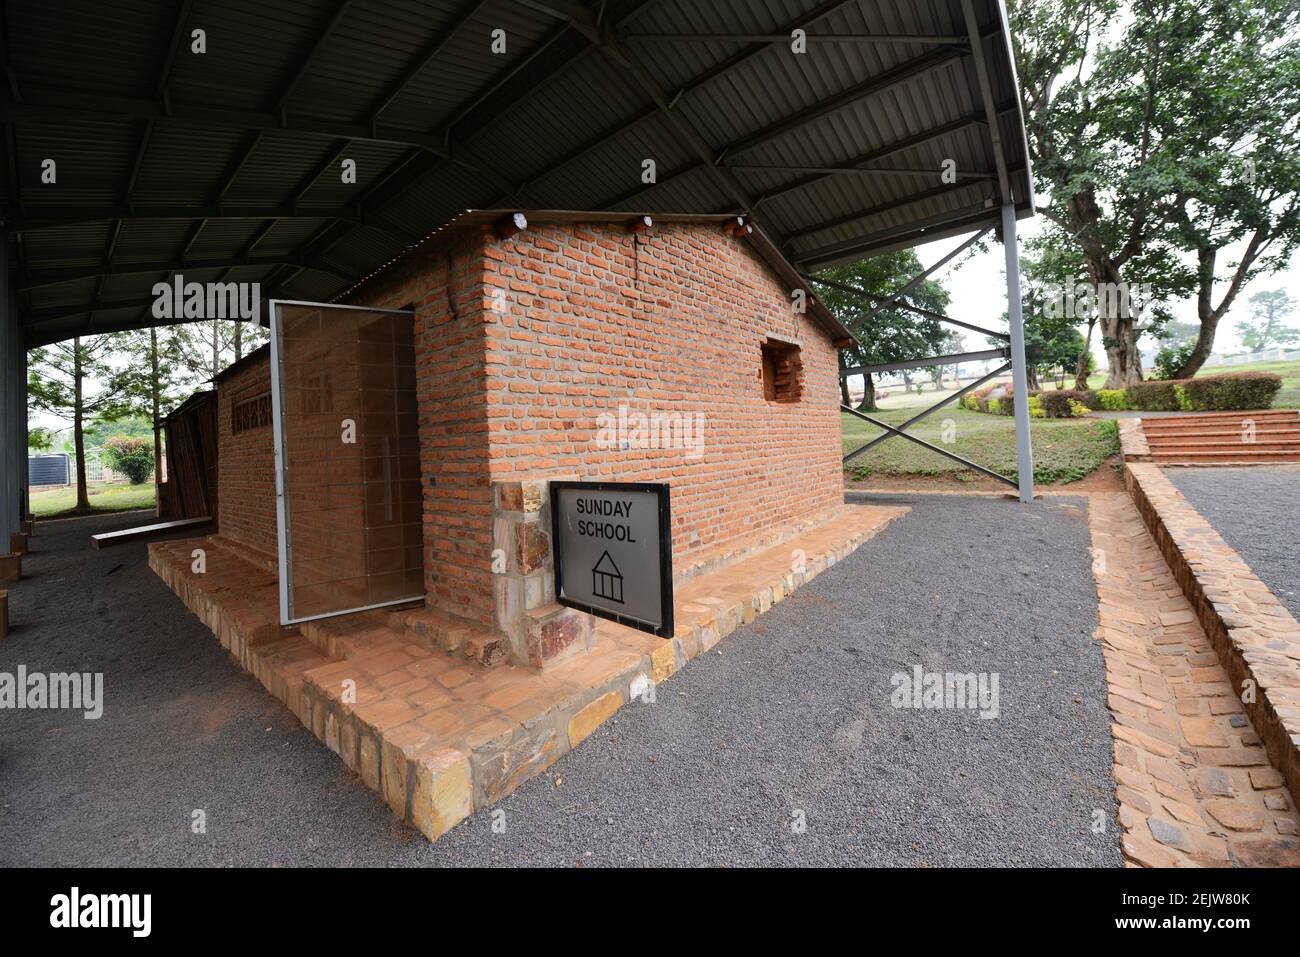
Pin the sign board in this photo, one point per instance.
(614, 552)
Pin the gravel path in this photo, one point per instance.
(1257, 511)
(789, 719)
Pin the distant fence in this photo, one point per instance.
(59, 468)
(1270, 355)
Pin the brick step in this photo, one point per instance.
(439, 630)
(1224, 434)
(1209, 445)
(349, 636)
(1228, 456)
(1220, 419)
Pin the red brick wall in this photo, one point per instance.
(246, 464)
(672, 326)
(526, 342)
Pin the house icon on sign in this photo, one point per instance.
(607, 580)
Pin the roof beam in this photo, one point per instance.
(947, 360)
(876, 210)
(429, 54)
(907, 306)
(54, 218)
(883, 152)
(986, 96)
(42, 278)
(858, 170)
(51, 104)
(946, 225)
(867, 38)
(304, 62)
(902, 73)
(719, 69)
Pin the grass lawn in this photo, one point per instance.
(1065, 450)
(112, 497)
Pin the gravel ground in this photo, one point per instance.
(1257, 511)
(787, 720)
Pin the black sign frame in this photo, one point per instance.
(665, 524)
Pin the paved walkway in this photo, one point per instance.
(778, 746)
(1195, 786)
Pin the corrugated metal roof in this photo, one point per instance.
(166, 157)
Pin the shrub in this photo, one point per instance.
(1170, 359)
(1111, 399)
(1064, 403)
(1156, 395)
(1036, 407)
(1232, 391)
(133, 457)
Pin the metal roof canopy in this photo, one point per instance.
(225, 165)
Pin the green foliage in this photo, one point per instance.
(1152, 396)
(132, 456)
(1163, 134)
(1241, 390)
(894, 333)
(1227, 392)
(1171, 358)
(39, 439)
(1064, 403)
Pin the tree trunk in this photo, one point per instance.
(157, 425)
(868, 403)
(216, 350)
(239, 339)
(1122, 357)
(1113, 308)
(1206, 313)
(1201, 351)
(1084, 365)
(78, 437)
(845, 399)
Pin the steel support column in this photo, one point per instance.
(1019, 378)
(10, 344)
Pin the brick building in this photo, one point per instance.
(583, 345)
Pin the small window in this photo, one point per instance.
(782, 371)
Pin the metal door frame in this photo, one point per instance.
(284, 545)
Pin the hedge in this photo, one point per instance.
(1232, 391)
(1229, 392)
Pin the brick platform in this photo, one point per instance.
(1256, 638)
(404, 703)
(1194, 785)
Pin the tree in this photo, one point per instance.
(1164, 135)
(154, 380)
(59, 377)
(1269, 327)
(206, 347)
(894, 333)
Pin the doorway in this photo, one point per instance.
(349, 503)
